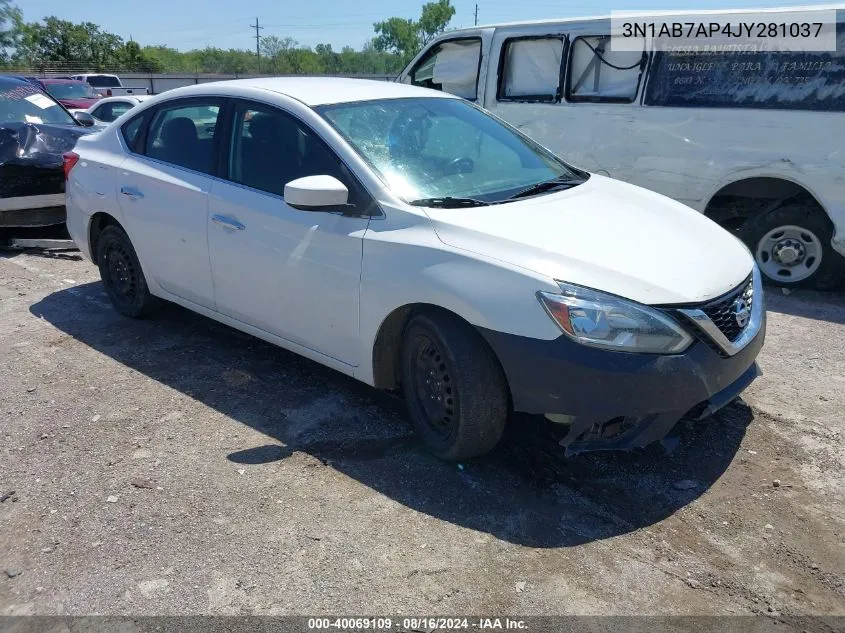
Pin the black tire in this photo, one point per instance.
(831, 270)
(122, 276)
(454, 388)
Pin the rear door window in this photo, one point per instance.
(185, 134)
(451, 66)
(131, 131)
(531, 69)
(598, 74)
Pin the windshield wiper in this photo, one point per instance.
(547, 185)
(448, 202)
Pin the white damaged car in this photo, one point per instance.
(409, 239)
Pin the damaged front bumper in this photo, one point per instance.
(620, 401)
(32, 211)
(32, 183)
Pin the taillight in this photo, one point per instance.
(70, 159)
(108, 92)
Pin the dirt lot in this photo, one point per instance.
(177, 466)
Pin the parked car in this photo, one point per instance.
(405, 237)
(110, 108)
(109, 85)
(35, 130)
(750, 139)
(72, 94)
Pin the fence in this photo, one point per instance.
(156, 83)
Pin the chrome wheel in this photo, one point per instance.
(789, 253)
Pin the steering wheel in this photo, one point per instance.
(460, 165)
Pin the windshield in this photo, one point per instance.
(79, 90)
(428, 149)
(25, 103)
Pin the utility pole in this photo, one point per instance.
(257, 42)
(476, 14)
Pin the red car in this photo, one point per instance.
(71, 93)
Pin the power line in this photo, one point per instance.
(257, 43)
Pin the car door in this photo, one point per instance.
(289, 272)
(163, 192)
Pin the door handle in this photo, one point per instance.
(132, 193)
(229, 223)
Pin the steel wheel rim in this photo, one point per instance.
(434, 387)
(122, 277)
(789, 253)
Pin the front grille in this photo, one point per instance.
(723, 311)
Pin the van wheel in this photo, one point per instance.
(791, 245)
(121, 273)
(454, 388)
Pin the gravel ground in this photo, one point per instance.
(176, 466)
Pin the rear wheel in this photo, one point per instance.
(791, 245)
(455, 390)
(121, 273)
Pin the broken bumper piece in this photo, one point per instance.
(620, 401)
(32, 211)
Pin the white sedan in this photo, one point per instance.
(407, 238)
(111, 108)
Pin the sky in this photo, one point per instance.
(189, 24)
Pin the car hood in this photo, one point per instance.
(606, 235)
(78, 104)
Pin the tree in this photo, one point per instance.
(274, 49)
(55, 40)
(10, 23)
(434, 19)
(329, 60)
(133, 58)
(398, 36)
(406, 37)
(55, 44)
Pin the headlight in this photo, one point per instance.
(602, 320)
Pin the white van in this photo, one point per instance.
(756, 141)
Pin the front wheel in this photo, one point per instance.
(121, 273)
(791, 245)
(454, 387)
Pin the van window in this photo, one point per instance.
(788, 80)
(599, 74)
(531, 69)
(451, 66)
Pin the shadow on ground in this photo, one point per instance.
(525, 492)
(810, 304)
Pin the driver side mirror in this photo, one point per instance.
(84, 119)
(316, 193)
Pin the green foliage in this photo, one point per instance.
(56, 43)
(405, 38)
(10, 24)
(398, 36)
(434, 19)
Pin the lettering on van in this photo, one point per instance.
(790, 80)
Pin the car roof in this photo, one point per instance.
(14, 79)
(315, 91)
